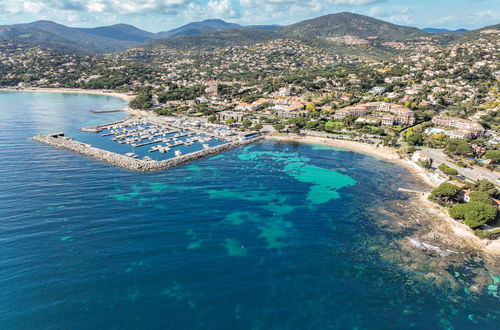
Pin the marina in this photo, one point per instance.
(149, 144)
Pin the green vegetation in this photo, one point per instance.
(474, 214)
(458, 148)
(279, 127)
(448, 170)
(479, 196)
(445, 194)
(141, 101)
(488, 234)
(486, 187)
(246, 123)
(493, 155)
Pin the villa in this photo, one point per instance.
(397, 114)
(466, 128)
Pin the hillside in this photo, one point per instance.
(206, 26)
(123, 32)
(349, 24)
(213, 40)
(75, 40)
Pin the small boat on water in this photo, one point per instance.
(131, 154)
(178, 153)
(206, 146)
(147, 158)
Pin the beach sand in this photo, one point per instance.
(122, 96)
(445, 226)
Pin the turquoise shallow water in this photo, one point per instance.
(270, 236)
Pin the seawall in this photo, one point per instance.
(133, 164)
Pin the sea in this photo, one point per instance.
(268, 236)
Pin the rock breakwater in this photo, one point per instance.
(139, 165)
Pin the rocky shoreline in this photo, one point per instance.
(139, 165)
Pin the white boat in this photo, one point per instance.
(131, 154)
(178, 153)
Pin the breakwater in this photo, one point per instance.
(140, 165)
(99, 128)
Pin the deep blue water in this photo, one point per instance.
(271, 236)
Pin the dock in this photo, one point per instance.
(412, 191)
(107, 111)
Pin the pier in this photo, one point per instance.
(107, 111)
(411, 191)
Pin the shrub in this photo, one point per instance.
(479, 196)
(445, 190)
(448, 170)
(474, 214)
(488, 234)
(494, 155)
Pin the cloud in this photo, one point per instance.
(97, 6)
(222, 9)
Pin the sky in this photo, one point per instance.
(161, 15)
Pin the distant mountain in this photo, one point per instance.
(263, 27)
(123, 32)
(210, 25)
(349, 24)
(437, 30)
(75, 40)
(206, 26)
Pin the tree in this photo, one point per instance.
(448, 170)
(310, 107)
(445, 193)
(349, 120)
(458, 147)
(479, 196)
(212, 119)
(141, 101)
(474, 214)
(279, 127)
(494, 155)
(311, 124)
(246, 123)
(415, 139)
(486, 186)
(257, 127)
(230, 121)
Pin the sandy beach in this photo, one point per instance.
(122, 96)
(445, 225)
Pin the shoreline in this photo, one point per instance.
(100, 92)
(381, 152)
(456, 229)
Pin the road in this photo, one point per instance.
(474, 174)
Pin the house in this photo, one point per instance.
(466, 128)
(419, 156)
(397, 113)
(377, 90)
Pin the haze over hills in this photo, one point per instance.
(437, 30)
(76, 40)
(345, 31)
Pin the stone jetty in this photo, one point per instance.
(58, 140)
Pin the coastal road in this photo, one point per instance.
(473, 174)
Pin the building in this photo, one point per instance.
(467, 129)
(285, 92)
(213, 88)
(397, 113)
(377, 90)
